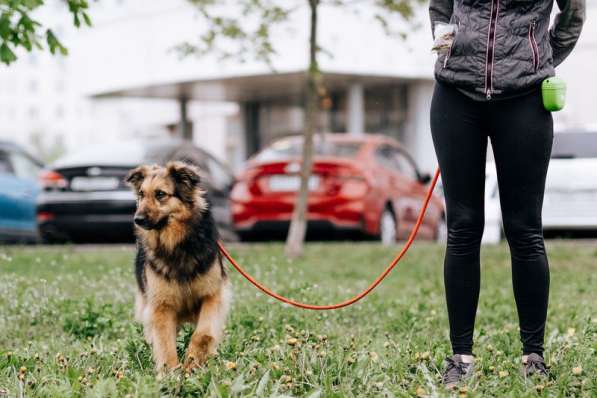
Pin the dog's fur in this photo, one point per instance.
(179, 270)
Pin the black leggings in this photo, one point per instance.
(521, 133)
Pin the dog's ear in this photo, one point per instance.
(186, 179)
(136, 176)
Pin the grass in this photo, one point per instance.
(66, 326)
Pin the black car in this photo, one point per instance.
(84, 197)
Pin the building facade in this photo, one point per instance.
(122, 79)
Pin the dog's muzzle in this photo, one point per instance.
(145, 223)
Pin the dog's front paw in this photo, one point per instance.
(200, 348)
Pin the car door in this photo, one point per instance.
(416, 191)
(396, 185)
(18, 192)
(405, 198)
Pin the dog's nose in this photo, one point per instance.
(140, 220)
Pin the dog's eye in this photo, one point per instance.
(159, 195)
(140, 194)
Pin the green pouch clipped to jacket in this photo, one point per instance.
(553, 90)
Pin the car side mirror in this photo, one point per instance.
(425, 178)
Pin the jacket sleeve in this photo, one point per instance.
(440, 11)
(566, 28)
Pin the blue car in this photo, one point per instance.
(18, 192)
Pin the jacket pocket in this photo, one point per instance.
(533, 45)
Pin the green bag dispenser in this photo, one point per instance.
(553, 90)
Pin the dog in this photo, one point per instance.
(178, 267)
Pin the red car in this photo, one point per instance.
(367, 184)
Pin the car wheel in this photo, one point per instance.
(50, 237)
(387, 227)
(441, 231)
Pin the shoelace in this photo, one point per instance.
(454, 370)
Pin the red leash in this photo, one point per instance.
(362, 294)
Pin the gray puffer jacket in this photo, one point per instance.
(503, 47)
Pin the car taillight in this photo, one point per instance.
(44, 216)
(353, 187)
(240, 192)
(52, 180)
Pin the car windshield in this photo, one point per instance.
(291, 148)
(574, 146)
(124, 153)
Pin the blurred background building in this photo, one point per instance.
(123, 79)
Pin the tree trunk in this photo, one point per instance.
(298, 224)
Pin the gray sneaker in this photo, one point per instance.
(456, 371)
(535, 365)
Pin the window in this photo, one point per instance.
(33, 86)
(192, 157)
(24, 166)
(293, 148)
(575, 145)
(386, 156)
(397, 160)
(220, 176)
(406, 165)
(33, 113)
(5, 167)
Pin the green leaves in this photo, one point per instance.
(19, 30)
(6, 54)
(54, 44)
(242, 35)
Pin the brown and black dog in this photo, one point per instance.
(179, 270)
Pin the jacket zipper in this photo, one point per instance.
(534, 46)
(495, 5)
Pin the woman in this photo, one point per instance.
(488, 86)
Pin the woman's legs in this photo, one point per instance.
(521, 132)
(521, 137)
(460, 139)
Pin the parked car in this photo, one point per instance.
(18, 191)
(84, 197)
(367, 184)
(570, 199)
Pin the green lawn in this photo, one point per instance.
(66, 326)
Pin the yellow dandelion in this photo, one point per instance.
(285, 379)
(292, 341)
(571, 332)
(421, 392)
(230, 365)
(503, 373)
(577, 370)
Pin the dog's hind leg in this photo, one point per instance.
(163, 334)
(210, 327)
